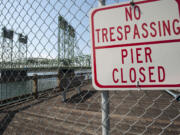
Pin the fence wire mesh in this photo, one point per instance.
(45, 84)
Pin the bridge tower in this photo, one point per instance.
(22, 50)
(7, 48)
(11, 56)
(66, 42)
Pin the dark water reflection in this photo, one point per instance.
(14, 89)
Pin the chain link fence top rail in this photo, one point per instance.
(45, 85)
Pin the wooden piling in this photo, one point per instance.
(59, 77)
(64, 77)
(35, 86)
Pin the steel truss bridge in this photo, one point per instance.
(33, 64)
(14, 54)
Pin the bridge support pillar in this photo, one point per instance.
(64, 80)
(35, 86)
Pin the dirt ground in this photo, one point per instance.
(131, 113)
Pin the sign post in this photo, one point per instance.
(105, 101)
(136, 46)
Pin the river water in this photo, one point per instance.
(14, 89)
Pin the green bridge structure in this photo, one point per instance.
(15, 62)
(33, 64)
(14, 54)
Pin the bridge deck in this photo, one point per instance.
(47, 68)
(82, 114)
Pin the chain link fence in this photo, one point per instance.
(45, 79)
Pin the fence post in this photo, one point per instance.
(35, 86)
(105, 101)
(60, 81)
(105, 113)
(59, 77)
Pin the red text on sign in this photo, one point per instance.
(151, 74)
(137, 55)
